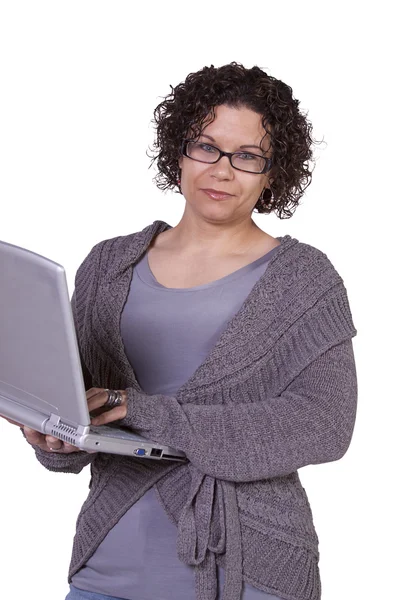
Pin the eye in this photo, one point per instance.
(247, 157)
(206, 147)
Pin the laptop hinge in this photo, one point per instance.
(65, 431)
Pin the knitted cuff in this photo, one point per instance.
(143, 413)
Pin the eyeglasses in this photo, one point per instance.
(243, 161)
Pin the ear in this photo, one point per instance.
(180, 162)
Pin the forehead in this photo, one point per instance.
(237, 126)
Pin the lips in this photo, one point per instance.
(217, 194)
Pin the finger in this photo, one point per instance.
(124, 395)
(93, 392)
(97, 400)
(53, 443)
(70, 448)
(11, 421)
(117, 413)
(50, 439)
(33, 436)
(65, 449)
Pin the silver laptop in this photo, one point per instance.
(41, 380)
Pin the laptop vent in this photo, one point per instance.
(65, 433)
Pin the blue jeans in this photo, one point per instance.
(76, 594)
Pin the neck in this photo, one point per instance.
(214, 239)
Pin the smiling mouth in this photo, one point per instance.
(217, 195)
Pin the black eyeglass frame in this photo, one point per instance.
(268, 161)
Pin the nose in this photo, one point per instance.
(222, 169)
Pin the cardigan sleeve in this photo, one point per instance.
(72, 462)
(310, 422)
(87, 377)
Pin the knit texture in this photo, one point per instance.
(277, 392)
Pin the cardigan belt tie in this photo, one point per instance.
(209, 525)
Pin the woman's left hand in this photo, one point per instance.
(101, 415)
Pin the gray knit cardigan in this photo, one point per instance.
(278, 391)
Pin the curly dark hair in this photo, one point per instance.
(190, 107)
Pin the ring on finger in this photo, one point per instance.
(114, 399)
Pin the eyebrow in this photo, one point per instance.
(243, 146)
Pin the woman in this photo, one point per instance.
(224, 342)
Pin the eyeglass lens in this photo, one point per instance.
(244, 161)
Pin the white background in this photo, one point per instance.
(79, 82)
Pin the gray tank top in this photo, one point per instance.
(167, 334)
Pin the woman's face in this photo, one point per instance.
(233, 130)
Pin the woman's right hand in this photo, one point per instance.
(48, 443)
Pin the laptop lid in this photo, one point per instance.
(39, 357)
